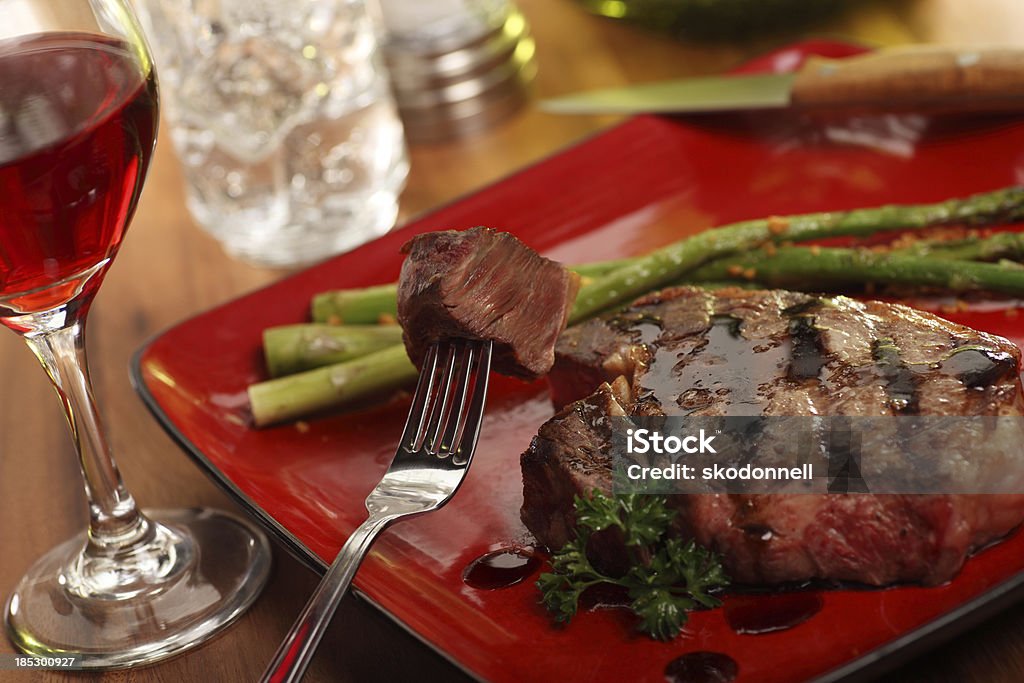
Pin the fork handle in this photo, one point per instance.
(295, 653)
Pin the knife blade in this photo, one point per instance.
(919, 78)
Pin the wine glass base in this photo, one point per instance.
(210, 568)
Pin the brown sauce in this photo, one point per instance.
(604, 596)
(500, 569)
(978, 367)
(754, 614)
(702, 667)
(644, 327)
(806, 355)
(724, 369)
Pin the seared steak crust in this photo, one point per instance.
(741, 352)
(738, 352)
(482, 284)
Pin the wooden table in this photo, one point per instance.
(169, 270)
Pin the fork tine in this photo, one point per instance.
(453, 425)
(450, 395)
(465, 442)
(440, 404)
(420, 402)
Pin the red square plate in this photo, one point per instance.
(632, 188)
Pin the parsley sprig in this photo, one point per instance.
(667, 577)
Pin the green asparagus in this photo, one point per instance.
(356, 306)
(670, 264)
(343, 384)
(293, 348)
(1002, 245)
(823, 268)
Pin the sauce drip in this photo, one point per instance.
(644, 327)
(604, 596)
(754, 614)
(702, 667)
(978, 367)
(724, 371)
(500, 569)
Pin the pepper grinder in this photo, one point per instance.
(457, 66)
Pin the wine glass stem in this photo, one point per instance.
(114, 520)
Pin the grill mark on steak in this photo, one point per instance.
(878, 359)
(807, 356)
(901, 380)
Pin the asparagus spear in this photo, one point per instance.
(293, 348)
(371, 304)
(822, 268)
(672, 263)
(590, 271)
(356, 306)
(1002, 245)
(347, 383)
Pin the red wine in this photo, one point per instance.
(78, 118)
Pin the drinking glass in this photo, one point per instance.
(78, 119)
(283, 120)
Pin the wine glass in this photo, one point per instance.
(78, 119)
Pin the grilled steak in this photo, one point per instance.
(482, 284)
(736, 352)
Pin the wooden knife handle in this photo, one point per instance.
(927, 79)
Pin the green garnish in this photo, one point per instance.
(667, 577)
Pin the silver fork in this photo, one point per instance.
(433, 456)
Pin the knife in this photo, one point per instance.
(918, 78)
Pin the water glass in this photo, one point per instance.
(283, 120)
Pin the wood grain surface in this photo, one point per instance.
(169, 270)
